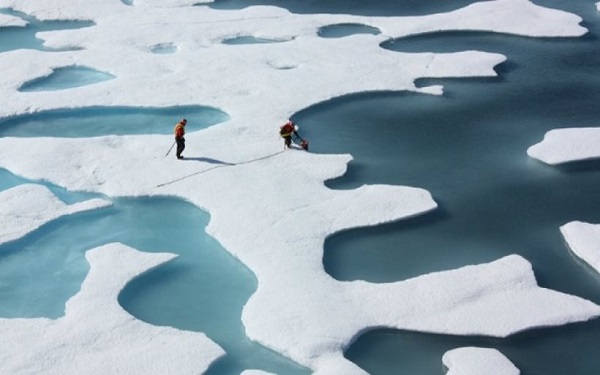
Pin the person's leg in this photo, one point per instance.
(180, 147)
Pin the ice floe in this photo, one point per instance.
(477, 361)
(567, 145)
(494, 299)
(584, 240)
(7, 20)
(269, 208)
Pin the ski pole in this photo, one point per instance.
(171, 148)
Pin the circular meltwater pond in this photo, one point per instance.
(98, 121)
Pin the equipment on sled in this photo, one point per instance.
(303, 143)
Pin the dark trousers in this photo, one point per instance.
(287, 141)
(180, 145)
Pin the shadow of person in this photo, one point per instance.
(207, 160)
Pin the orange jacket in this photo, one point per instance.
(179, 130)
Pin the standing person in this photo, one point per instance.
(179, 137)
(286, 131)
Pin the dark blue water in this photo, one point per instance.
(357, 7)
(346, 29)
(468, 148)
(98, 121)
(561, 350)
(12, 37)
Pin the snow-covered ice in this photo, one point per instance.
(477, 361)
(567, 145)
(8, 20)
(96, 336)
(573, 145)
(261, 192)
(584, 240)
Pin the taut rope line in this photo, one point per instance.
(218, 166)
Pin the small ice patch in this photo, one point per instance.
(477, 361)
(584, 241)
(8, 20)
(567, 145)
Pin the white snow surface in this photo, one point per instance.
(567, 145)
(298, 309)
(477, 361)
(8, 20)
(96, 336)
(584, 241)
(25, 208)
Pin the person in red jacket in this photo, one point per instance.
(179, 137)
(286, 131)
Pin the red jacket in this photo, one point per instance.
(287, 129)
